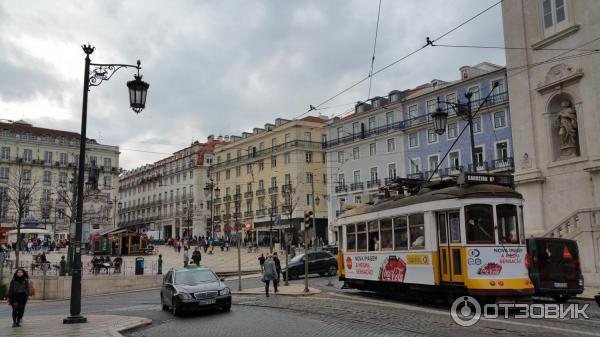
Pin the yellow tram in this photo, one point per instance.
(459, 237)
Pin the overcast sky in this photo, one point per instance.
(221, 67)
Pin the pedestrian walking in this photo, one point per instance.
(178, 247)
(196, 257)
(270, 274)
(261, 260)
(186, 257)
(18, 293)
(277, 266)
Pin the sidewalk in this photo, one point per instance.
(588, 293)
(293, 290)
(51, 325)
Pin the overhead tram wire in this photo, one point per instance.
(512, 48)
(374, 49)
(427, 44)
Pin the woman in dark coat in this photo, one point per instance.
(18, 293)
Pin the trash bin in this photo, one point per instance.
(139, 266)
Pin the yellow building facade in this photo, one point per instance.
(264, 181)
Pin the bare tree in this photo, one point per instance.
(272, 210)
(22, 188)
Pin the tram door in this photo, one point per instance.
(449, 244)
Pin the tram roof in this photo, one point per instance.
(453, 192)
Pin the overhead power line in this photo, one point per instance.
(374, 49)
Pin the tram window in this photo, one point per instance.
(351, 238)
(417, 231)
(340, 238)
(374, 244)
(400, 233)
(480, 224)
(361, 237)
(441, 223)
(386, 234)
(454, 221)
(508, 229)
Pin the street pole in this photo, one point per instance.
(212, 205)
(470, 119)
(239, 249)
(75, 305)
(314, 224)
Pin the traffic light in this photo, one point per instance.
(307, 219)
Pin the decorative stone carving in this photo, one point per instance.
(559, 74)
(565, 125)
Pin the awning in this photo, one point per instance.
(118, 231)
(31, 231)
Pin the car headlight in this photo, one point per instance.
(184, 296)
(224, 292)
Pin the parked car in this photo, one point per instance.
(333, 249)
(321, 262)
(193, 288)
(554, 267)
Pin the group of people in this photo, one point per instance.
(271, 269)
(99, 262)
(27, 245)
(196, 257)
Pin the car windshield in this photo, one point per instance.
(297, 258)
(190, 277)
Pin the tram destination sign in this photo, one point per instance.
(482, 178)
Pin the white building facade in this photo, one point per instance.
(555, 94)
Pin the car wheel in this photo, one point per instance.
(332, 270)
(227, 307)
(165, 307)
(561, 298)
(321, 274)
(293, 274)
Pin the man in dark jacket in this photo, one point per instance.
(196, 257)
(277, 266)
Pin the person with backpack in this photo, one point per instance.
(18, 293)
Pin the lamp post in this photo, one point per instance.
(137, 97)
(211, 188)
(189, 216)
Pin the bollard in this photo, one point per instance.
(62, 270)
(160, 262)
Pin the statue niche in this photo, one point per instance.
(565, 129)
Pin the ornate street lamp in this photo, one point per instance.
(440, 120)
(137, 95)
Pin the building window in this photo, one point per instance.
(107, 163)
(4, 173)
(374, 175)
(452, 130)
(309, 177)
(502, 151)
(554, 15)
(477, 125)
(476, 95)
(325, 178)
(323, 138)
(499, 119)
(5, 153)
(286, 158)
(433, 162)
(454, 160)
(307, 136)
(415, 165)
(356, 153)
(392, 171)
(273, 181)
(479, 156)
(47, 157)
(431, 136)
(47, 177)
(238, 171)
(340, 156)
(341, 179)
(412, 112)
(27, 155)
(372, 149)
(413, 139)
(227, 175)
(274, 161)
(356, 176)
(371, 123)
(391, 145)
(340, 132)
(309, 157)
(261, 165)
(355, 128)
(389, 117)
(431, 106)
(107, 182)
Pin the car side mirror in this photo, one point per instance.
(222, 279)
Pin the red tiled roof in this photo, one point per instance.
(18, 128)
(314, 119)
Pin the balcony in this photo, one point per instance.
(260, 192)
(341, 188)
(217, 218)
(390, 180)
(226, 216)
(237, 197)
(248, 214)
(287, 188)
(273, 210)
(260, 212)
(416, 175)
(237, 215)
(248, 195)
(374, 183)
(273, 189)
(227, 198)
(356, 186)
(217, 200)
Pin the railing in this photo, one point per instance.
(373, 183)
(390, 180)
(248, 214)
(260, 192)
(260, 212)
(415, 121)
(237, 196)
(272, 189)
(248, 195)
(227, 198)
(577, 222)
(267, 152)
(341, 188)
(217, 200)
(226, 216)
(237, 215)
(286, 188)
(356, 186)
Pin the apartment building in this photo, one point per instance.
(391, 137)
(46, 161)
(168, 196)
(265, 177)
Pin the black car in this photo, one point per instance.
(321, 262)
(554, 267)
(193, 289)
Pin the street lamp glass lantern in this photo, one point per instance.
(440, 121)
(137, 93)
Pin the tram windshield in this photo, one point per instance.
(480, 224)
(508, 229)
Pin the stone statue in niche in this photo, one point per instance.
(566, 126)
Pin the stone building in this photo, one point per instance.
(264, 179)
(554, 96)
(167, 197)
(46, 161)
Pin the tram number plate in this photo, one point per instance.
(560, 284)
(207, 302)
